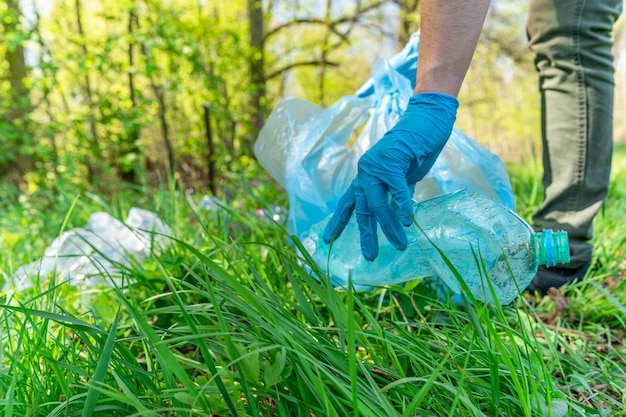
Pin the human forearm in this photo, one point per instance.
(448, 36)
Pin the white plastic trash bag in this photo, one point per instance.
(98, 252)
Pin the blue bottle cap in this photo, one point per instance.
(561, 241)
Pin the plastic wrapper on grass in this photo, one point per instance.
(98, 252)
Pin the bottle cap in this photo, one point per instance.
(562, 247)
(552, 248)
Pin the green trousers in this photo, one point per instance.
(572, 43)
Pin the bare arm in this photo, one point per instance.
(448, 36)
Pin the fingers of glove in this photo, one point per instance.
(401, 195)
(389, 163)
(341, 217)
(367, 226)
(405, 213)
(378, 203)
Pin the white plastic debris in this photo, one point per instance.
(98, 252)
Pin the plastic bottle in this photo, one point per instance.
(481, 238)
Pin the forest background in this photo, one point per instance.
(108, 105)
(100, 93)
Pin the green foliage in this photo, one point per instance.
(117, 88)
(231, 319)
(114, 91)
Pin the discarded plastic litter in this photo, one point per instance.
(96, 253)
(481, 238)
(313, 152)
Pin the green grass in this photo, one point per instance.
(231, 320)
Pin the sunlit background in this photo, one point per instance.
(118, 89)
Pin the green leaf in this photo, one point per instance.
(185, 398)
(273, 372)
(250, 365)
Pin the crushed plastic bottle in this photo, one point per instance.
(481, 239)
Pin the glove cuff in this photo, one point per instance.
(446, 101)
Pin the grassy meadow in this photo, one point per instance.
(230, 320)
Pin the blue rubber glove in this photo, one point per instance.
(394, 165)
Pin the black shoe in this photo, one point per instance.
(556, 277)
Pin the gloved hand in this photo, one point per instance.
(394, 165)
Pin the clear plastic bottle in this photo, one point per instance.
(481, 238)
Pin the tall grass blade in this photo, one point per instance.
(352, 357)
(101, 369)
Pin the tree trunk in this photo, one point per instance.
(324, 56)
(210, 148)
(159, 93)
(17, 163)
(257, 70)
(129, 173)
(92, 137)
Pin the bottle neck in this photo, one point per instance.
(551, 248)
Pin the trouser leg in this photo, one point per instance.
(572, 43)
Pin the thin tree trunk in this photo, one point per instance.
(92, 138)
(160, 96)
(51, 135)
(210, 147)
(15, 56)
(257, 70)
(130, 173)
(324, 56)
